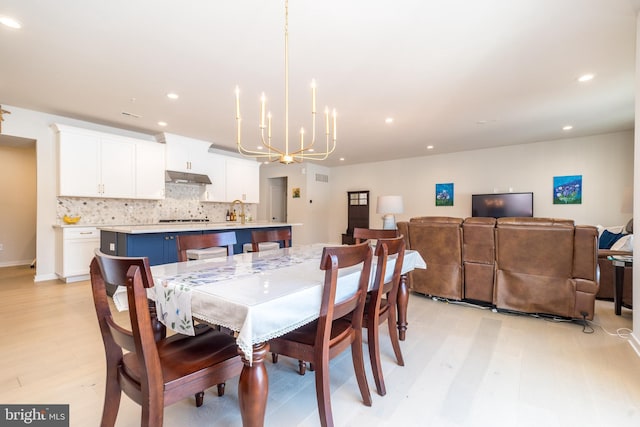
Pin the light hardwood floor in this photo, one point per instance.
(465, 366)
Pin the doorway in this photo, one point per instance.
(19, 202)
(277, 209)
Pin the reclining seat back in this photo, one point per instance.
(439, 242)
(585, 270)
(478, 255)
(534, 265)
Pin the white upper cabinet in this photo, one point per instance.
(150, 165)
(242, 180)
(117, 167)
(92, 164)
(185, 154)
(217, 190)
(78, 165)
(97, 164)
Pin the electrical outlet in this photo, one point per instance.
(1, 246)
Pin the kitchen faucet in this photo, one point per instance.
(242, 214)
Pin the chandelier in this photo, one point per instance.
(297, 154)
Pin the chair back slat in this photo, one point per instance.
(280, 235)
(121, 336)
(336, 258)
(385, 249)
(202, 241)
(362, 234)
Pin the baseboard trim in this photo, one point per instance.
(17, 263)
(45, 277)
(634, 341)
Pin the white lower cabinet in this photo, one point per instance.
(75, 248)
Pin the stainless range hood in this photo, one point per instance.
(186, 178)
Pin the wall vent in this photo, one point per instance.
(320, 177)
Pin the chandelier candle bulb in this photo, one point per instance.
(313, 96)
(262, 104)
(238, 105)
(334, 125)
(326, 120)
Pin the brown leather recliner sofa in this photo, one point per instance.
(531, 265)
(439, 241)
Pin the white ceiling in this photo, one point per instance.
(455, 74)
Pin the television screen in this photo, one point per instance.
(499, 205)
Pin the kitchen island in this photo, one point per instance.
(158, 241)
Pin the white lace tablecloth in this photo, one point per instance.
(260, 295)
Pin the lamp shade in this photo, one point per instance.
(389, 205)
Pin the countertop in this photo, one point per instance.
(192, 226)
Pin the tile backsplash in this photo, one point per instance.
(180, 202)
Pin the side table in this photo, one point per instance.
(619, 262)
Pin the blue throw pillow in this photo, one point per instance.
(607, 239)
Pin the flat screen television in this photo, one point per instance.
(499, 205)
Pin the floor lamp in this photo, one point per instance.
(388, 206)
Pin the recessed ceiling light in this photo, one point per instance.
(567, 127)
(388, 120)
(162, 124)
(172, 95)
(429, 147)
(342, 159)
(586, 77)
(10, 22)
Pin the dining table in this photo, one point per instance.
(258, 296)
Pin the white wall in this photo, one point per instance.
(310, 209)
(636, 202)
(604, 161)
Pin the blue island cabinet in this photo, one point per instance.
(160, 247)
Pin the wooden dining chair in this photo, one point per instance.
(332, 333)
(207, 242)
(263, 236)
(156, 371)
(379, 309)
(362, 234)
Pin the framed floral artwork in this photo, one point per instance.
(444, 194)
(567, 190)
